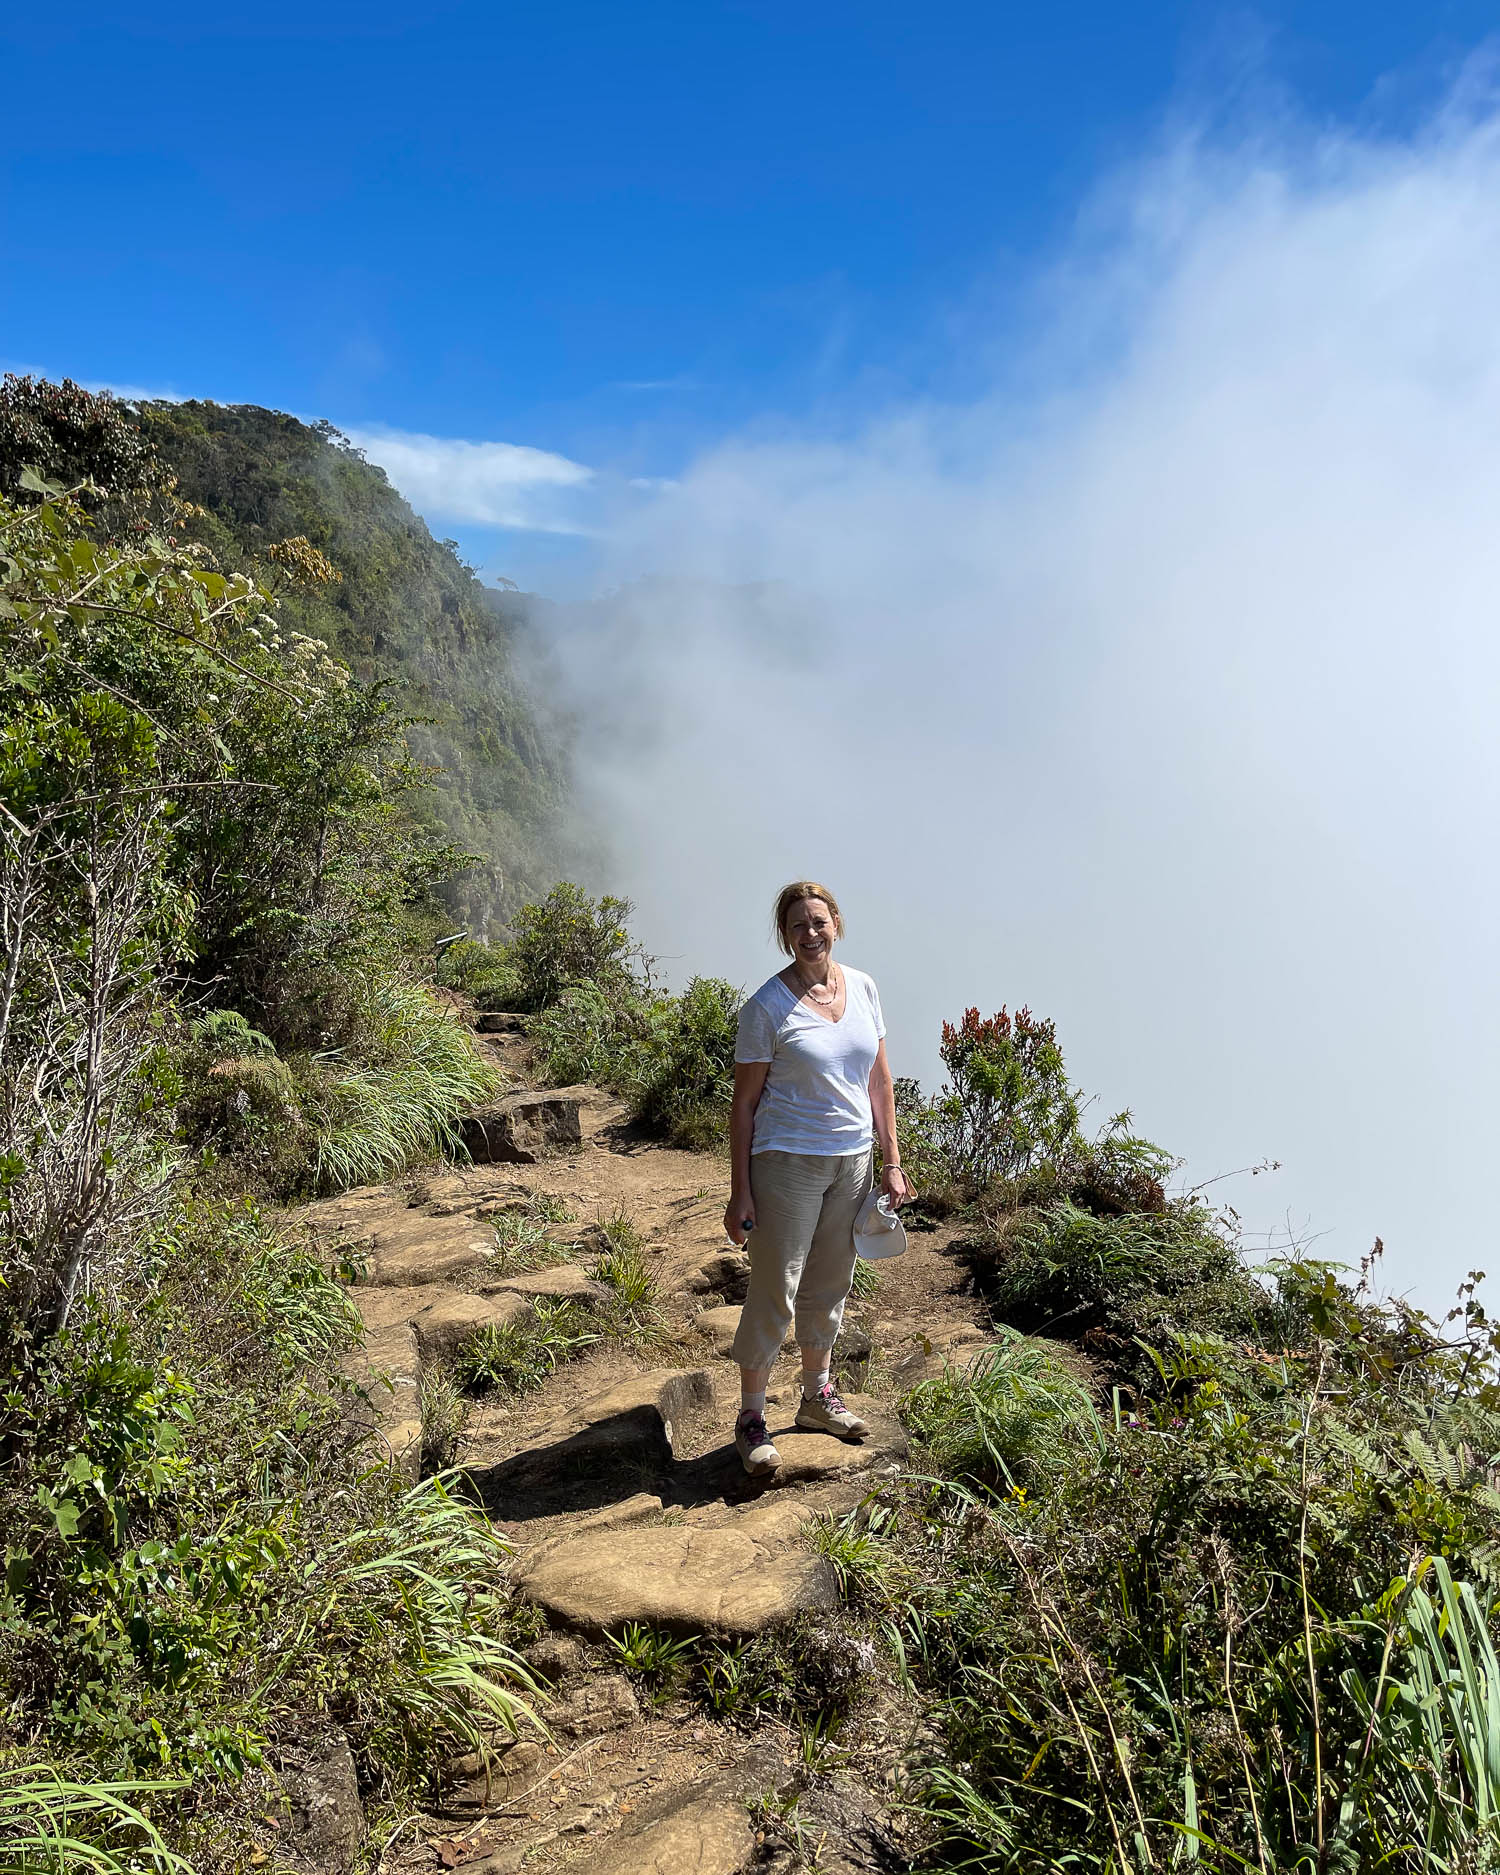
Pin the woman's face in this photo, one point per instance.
(810, 931)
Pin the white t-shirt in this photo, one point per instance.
(817, 1092)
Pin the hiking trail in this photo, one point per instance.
(618, 1484)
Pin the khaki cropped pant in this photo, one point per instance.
(801, 1250)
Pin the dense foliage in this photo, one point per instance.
(600, 1017)
(1215, 1579)
(263, 494)
(210, 878)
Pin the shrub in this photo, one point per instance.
(684, 1080)
(480, 972)
(1007, 1106)
(198, 1551)
(1006, 1127)
(671, 1056)
(570, 938)
(1209, 1620)
(1111, 1283)
(588, 1035)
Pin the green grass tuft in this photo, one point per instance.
(1012, 1415)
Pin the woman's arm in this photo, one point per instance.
(749, 1084)
(893, 1181)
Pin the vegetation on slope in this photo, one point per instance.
(210, 887)
(1230, 1602)
(267, 495)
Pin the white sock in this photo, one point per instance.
(753, 1402)
(815, 1379)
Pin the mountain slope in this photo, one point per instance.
(405, 608)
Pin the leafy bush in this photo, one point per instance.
(1006, 1127)
(671, 1056)
(198, 1551)
(480, 972)
(1206, 1628)
(684, 1080)
(1007, 1106)
(569, 938)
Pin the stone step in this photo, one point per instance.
(443, 1327)
(701, 1832)
(629, 1427)
(558, 1282)
(734, 1580)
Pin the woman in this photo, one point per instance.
(812, 1093)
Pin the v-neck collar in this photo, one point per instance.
(812, 1009)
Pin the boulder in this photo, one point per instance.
(325, 1827)
(520, 1129)
(687, 1580)
(500, 1022)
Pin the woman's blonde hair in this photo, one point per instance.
(789, 895)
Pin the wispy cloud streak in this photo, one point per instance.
(489, 484)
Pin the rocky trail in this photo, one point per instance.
(618, 1484)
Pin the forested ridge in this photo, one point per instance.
(1177, 1559)
(400, 607)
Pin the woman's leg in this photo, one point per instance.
(789, 1189)
(828, 1270)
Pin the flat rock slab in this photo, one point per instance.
(561, 1282)
(719, 1325)
(520, 1129)
(706, 1835)
(411, 1248)
(686, 1580)
(444, 1326)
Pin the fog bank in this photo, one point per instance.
(1153, 686)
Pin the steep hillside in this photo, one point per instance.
(406, 607)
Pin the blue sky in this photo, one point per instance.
(608, 232)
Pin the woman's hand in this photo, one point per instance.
(896, 1185)
(739, 1218)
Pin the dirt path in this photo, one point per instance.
(619, 1486)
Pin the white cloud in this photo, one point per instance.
(1159, 694)
(493, 484)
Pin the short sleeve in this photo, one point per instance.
(756, 1040)
(875, 1009)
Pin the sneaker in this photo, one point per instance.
(826, 1412)
(753, 1443)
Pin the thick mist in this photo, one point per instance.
(1153, 685)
